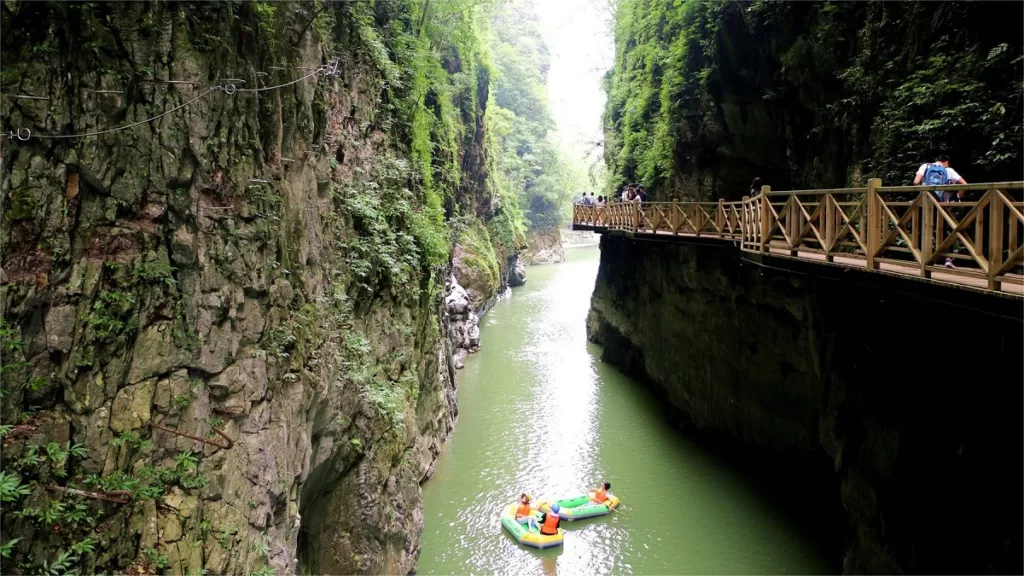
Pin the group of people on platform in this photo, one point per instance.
(586, 200)
(630, 193)
(936, 173)
(549, 521)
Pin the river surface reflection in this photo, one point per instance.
(539, 413)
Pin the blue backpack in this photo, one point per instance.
(935, 175)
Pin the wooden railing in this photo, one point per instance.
(900, 228)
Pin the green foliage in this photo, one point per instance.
(62, 565)
(664, 63)
(130, 439)
(812, 94)
(261, 546)
(22, 205)
(112, 314)
(181, 401)
(58, 513)
(478, 254)
(945, 105)
(156, 559)
(6, 547)
(533, 179)
(155, 270)
(11, 488)
(395, 239)
(13, 368)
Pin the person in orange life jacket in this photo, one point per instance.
(600, 495)
(937, 174)
(524, 514)
(549, 522)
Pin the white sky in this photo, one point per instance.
(582, 49)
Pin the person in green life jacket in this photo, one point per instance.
(939, 173)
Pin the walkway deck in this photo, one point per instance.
(896, 230)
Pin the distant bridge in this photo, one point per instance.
(894, 230)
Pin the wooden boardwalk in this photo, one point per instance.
(897, 230)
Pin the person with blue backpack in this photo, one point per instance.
(939, 173)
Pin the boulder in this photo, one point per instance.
(517, 273)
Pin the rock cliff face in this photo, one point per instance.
(223, 330)
(922, 434)
(544, 247)
(579, 238)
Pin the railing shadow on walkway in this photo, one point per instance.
(898, 229)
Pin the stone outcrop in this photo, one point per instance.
(463, 323)
(888, 387)
(517, 272)
(544, 246)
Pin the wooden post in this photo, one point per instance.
(995, 239)
(874, 223)
(744, 219)
(636, 216)
(927, 231)
(673, 218)
(765, 218)
(793, 225)
(826, 224)
(979, 229)
(915, 228)
(720, 218)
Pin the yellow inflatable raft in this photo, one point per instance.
(581, 507)
(526, 536)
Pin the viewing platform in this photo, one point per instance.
(902, 231)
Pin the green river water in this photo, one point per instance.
(539, 413)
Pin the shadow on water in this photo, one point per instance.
(802, 488)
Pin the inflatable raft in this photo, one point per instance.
(581, 507)
(526, 536)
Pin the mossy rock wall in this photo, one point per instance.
(267, 264)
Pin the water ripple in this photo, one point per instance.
(539, 414)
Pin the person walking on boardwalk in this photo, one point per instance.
(939, 173)
(755, 187)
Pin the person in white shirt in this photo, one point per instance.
(937, 174)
